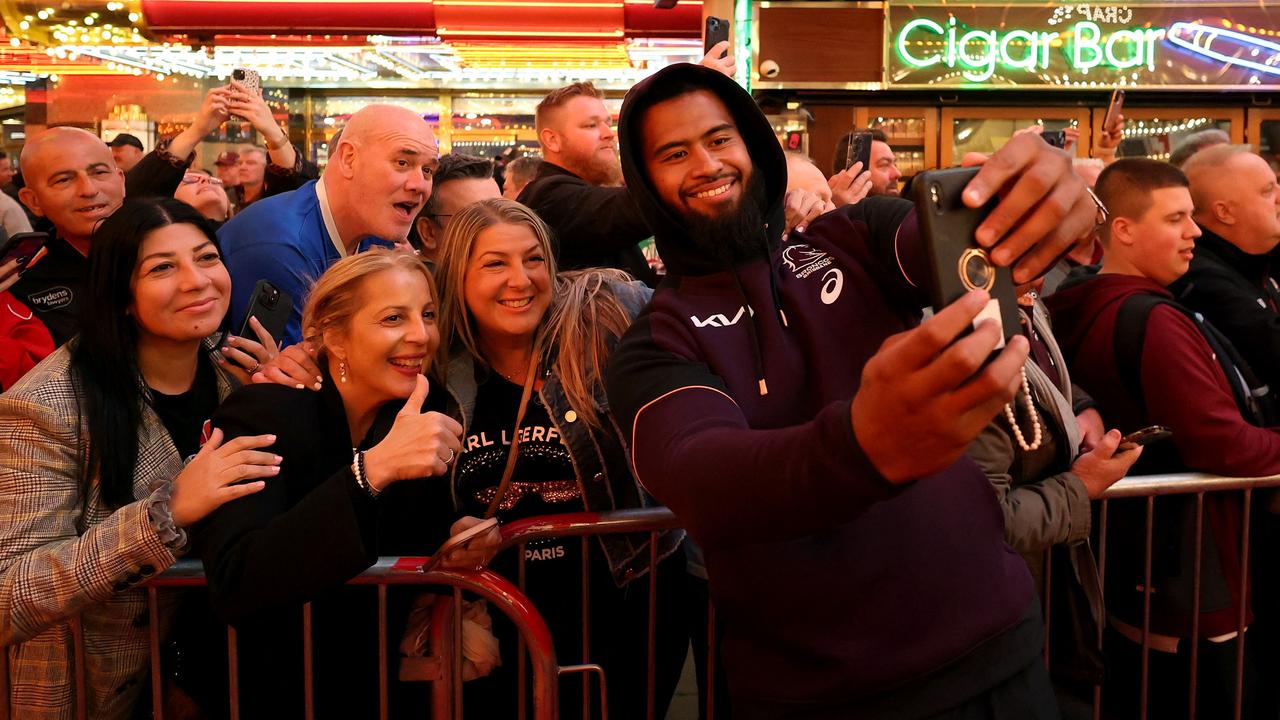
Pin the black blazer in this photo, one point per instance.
(299, 540)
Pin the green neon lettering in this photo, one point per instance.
(1134, 40)
(951, 41)
(978, 53)
(987, 62)
(1152, 36)
(1086, 40)
(906, 55)
(1028, 61)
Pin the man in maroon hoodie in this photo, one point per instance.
(1176, 380)
(783, 400)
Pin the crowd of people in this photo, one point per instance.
(670, 310)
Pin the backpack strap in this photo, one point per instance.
(1130, 335)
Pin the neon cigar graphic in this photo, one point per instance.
(1228, 46)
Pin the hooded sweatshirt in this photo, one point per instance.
(836, 585)
(1184, 389)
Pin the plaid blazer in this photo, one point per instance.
(63, 554)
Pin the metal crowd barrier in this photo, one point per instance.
(534, 636)
(1198, 485)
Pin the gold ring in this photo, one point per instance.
(976, 270)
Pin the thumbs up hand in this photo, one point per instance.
(419, 444)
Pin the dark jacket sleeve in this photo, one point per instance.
(157, 174)
(693, 449)
(282, 180)
(304, 533)
(1254, 329)
(587, 220)
(882, 233)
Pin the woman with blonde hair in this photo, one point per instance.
(524, 352)
(362, 476)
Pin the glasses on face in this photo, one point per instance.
(194, 178)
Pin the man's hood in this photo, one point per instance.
(671, 233)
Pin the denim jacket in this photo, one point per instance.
(601, 459)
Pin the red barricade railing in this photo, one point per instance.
(537, 655)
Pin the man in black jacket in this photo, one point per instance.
(578, 189)
(1238, 209)
(72, 181)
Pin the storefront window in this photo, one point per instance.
(986, 135)
(1157, 137)
(329, 114)
(906, 137)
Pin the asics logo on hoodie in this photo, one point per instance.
(805, 260)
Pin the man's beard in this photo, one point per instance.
(889, 190)
(737, 235)
(598, 170)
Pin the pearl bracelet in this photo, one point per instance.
(357, 468)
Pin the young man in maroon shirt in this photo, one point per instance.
(1172, 377)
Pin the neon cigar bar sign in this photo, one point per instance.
(1070, 45)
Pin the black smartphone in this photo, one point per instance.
(1145, 436)
(1056, 138)
(271, 306)
(957, 264)
(859, 150)
(1114, 107)
(717, 32)
(22, 247)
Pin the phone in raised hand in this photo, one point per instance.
(1114, 107)
(859, 150)
(717, 32)
(957, 264)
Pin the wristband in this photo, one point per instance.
(284, 141)
(357, 468)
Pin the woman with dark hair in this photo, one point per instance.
(101, 464)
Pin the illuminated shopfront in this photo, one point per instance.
(945, 78)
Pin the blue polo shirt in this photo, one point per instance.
(281, 239)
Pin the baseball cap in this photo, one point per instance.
(227, 157)
(125, 139)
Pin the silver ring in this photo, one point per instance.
(452, 455)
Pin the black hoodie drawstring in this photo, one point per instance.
(751, 331)
(751, 324)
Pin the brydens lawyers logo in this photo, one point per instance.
(51, 299)
(804, 260)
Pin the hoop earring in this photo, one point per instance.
(342, 370)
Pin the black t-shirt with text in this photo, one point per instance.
(184, 415)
